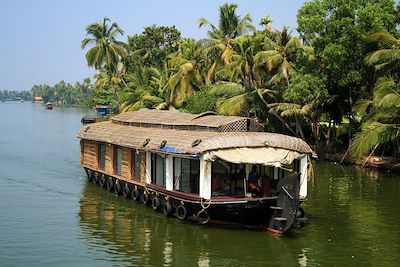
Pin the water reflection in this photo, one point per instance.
(352, 218)
(124, 232)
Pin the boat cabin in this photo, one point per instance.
(196, 161)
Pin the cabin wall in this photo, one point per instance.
(143, 167)
(126, 163)
(109, 169)
(89, 154)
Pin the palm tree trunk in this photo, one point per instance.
(298, 126)
(276, 115)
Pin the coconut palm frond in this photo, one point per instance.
(371, 135)
(384, 38)
(227, 89)
(232, 106)
(382, 56)
(362, 106)
(383, 86)
(283, 106)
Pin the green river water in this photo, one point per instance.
(51, 216)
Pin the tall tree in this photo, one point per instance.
(380, 114)
(151, 47)
(187, 77)
(278, 56)
(231, 25)
(106, 51)
(337, 30)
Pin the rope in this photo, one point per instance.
(202, 205)
(286, 169)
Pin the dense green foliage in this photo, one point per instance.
(15, 95)
(306, 85)
(65, 94)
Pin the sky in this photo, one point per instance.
(41, 39)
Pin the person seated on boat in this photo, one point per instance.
(254, 187)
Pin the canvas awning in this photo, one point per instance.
(268, 156)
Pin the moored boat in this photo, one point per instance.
(204, 167)
(49, 105)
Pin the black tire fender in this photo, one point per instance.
(203, 217)
(110, 184)
(181, 212)
(155, 203)
(103, 180)
(167, 208)
(135, 194)
(117, 188)
(95, 178)
(145, 198)
(126, 192)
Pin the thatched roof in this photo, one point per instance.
(159, 137)
(172, 119)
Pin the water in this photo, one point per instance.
(51, 216)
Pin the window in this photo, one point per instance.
(102, 156)
(117, 160)
(158, 169)
(227, 178)
(135, 165)
(186, 175)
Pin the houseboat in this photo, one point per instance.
(205, 167)
(102, 114)
(49, 105)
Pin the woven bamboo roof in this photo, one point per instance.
(173, 119)
(170, 140)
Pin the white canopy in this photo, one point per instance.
(268, 156)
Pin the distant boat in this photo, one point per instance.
(49, 105)
(22, 100)
(38, 99)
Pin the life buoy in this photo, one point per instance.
(117, 188)
(102, 181)
(155, 203)
(126, 192)
(181, 212)
(135, 194)
(110, 184)
(167, 208)
(203, 217)
(145, 198)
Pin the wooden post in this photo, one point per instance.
(205, 178)
(169, 172)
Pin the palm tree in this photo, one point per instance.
(106, 51)
(218, 47)
(140, 91)
(230, 24)
(266, 22)
(278, 56)
(385, 58)
(187, 78)
(381, 114)
(381, 118)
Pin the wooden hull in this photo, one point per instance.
(246, 212)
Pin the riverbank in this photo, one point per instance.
(384, 163)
